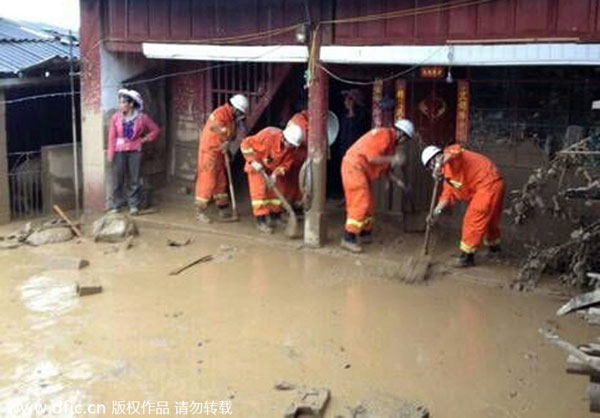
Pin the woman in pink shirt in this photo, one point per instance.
(129, 129)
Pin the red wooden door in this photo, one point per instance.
(432, 107)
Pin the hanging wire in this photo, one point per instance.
(388, 78)
(312, 62)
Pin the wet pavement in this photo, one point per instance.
(228, 330)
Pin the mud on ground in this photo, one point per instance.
(260, 313)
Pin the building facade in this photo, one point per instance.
(507, 77)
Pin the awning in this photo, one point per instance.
(457, 55)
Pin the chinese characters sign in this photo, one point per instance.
(462, 112)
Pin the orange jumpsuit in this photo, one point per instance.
(358, 173)
(290, 183)
(267, 148)
(474, 178)
(211, 182)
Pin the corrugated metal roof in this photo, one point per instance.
(22, 48)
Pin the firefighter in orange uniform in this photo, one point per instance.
(269, 151)
(211, 181)
(290, 183)
(473, 178)
(367, 159)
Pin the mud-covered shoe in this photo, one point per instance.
(274, 219)
(494, 252)
(134, 211)
(113, 211)
(202, 217)
(366, 237)
(466, 260)
(264, 228)
(224, 214)
(351, 246)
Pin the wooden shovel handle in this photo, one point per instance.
(434, 196)
(65, 218)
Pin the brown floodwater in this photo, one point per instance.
(229, 329)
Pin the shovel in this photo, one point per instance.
(234, 214)
(417, 266)
(291, 229)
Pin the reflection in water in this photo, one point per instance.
(230, 330)
(47, 295)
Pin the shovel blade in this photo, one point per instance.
(291, 229)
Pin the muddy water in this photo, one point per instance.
(228, 330)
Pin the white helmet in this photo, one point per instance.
(428, 153)
(133, 95)
(240, 102)
(293, 134)
(405, 126)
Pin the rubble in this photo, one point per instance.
(176, 243)
(113, 228)
(572, 260)
(49, 236)
(203, 259)
(66, 263)
(381, 405)
(47, 232)
(86, 290)
(309, 403)
(545, 190)
(283, 385)
(9, 244)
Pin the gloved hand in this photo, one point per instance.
(225, 147)
(398, 159)
(432, 220)
(402, 185)
(258, 167)
(279, 171)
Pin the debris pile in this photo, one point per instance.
(546, 192)
(572, 260)
(113, 227)
(48, 232)
(583, 359)
(545, 188)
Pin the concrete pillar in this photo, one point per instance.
(92, 125)
(315, 231)
(4, 194)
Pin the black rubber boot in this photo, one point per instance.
(366, 237)
(350, 243)
(495, 249)
(274, 219)
(262, 225)
(466, 259)
(224, 212)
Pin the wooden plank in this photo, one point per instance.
(181, 20)
(137, 23)
(593, 394)
(116, 19)
(533, 17)
(576, 366)
(495, 19)
(573, 17)
(462, 22)
(433, 26)
(580, 301)
(592, 362)
(158, 13)
(203, 259)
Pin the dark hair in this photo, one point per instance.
(129, 100)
